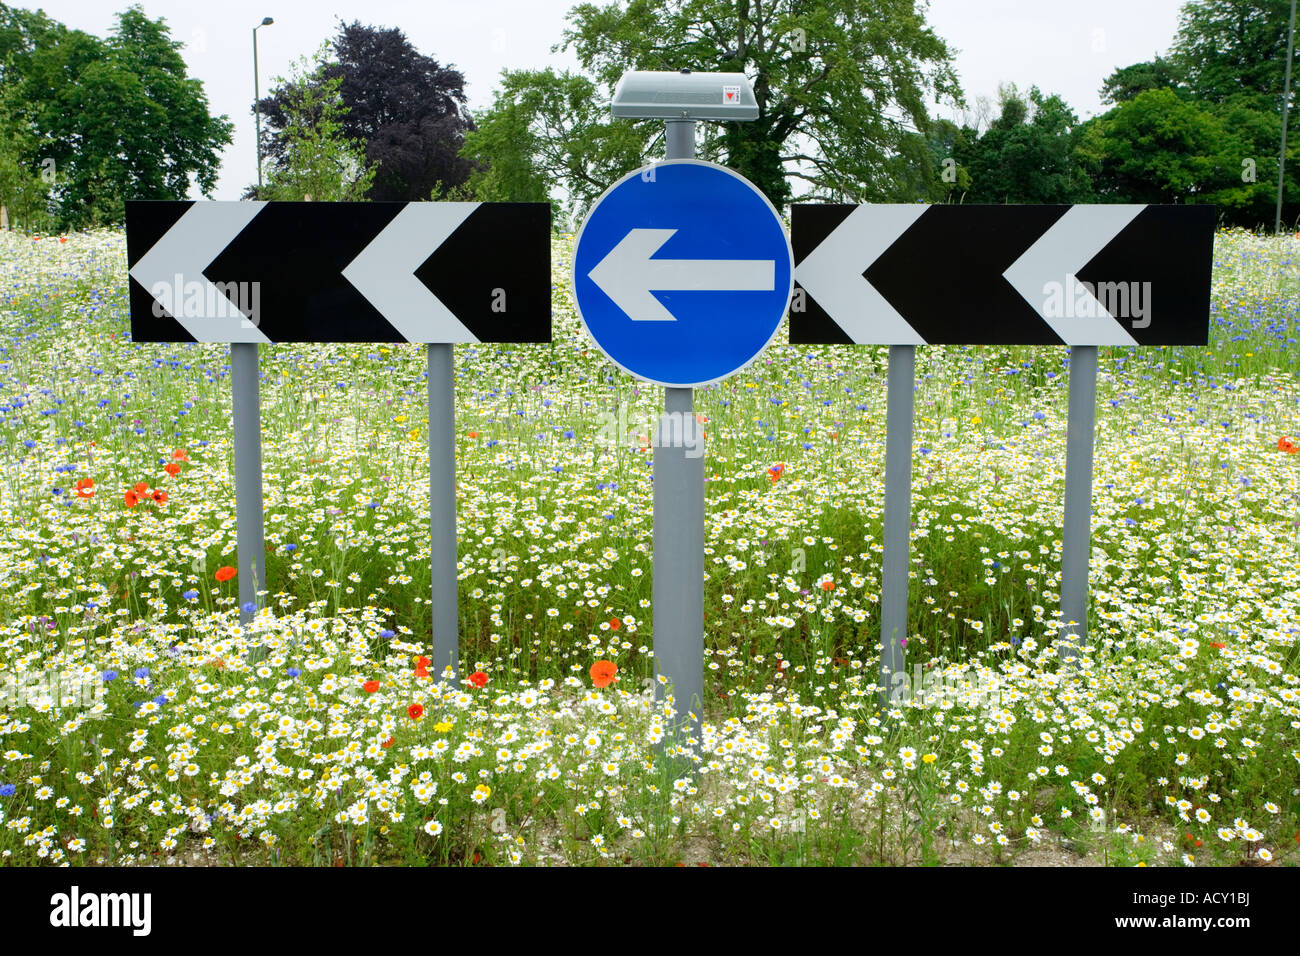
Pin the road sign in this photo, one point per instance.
(441, 272)
(1015, 275)
(682, 273)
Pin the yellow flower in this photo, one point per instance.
(442, 726)
(930, 758)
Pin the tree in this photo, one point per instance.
(317, 160)
(1154, 148)
(1227, 47)
(1128, 81)
(840, 84)
(110, 120)
(1027, 155)
(1203, 124)
(406, 110)
(544, 128)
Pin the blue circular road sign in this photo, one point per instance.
(682, 272)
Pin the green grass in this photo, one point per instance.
(282, 760)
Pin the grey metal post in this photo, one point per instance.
(442, 508)
(247, 412)
(898, 515)
(1076, 545)
(678, 591)
(1286, 109)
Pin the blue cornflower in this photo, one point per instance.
(190, 595)
(290, 548)
(386, 634)
(248, 607)
(7, 789)
(293, 672)
(142, 672)
(160, 699)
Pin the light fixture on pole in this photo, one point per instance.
(257, 104)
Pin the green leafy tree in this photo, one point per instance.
(1203, 124)
(1128, 81)
(1228, 47)
(841, 87)
(317, 160)
(1154, 148)
(111, 119)
(547, 128)
(1027, 155)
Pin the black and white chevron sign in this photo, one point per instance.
(1008, 275)
(339, 272)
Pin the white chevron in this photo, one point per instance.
(384, 272)
(1057, 256)
(178, 259)
(832, 274)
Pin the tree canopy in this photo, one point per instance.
(404, 108)
(103, 121)
(317, 161)
(841, 85)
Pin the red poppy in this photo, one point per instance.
(478, 679)
(370, 686)
(387, 743)
(615, 623)
(828, 585)
(131, 498)
(602, 673)
(473, 434)
(1287, 445)
(422, 666)
(1219, 646)
(141, 488)
(160, 496)
(775, 472)
(85, 487)
(225, 573)
(172, 468)
(416, 711)
(179, 455)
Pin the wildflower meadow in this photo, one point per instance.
(143, 723)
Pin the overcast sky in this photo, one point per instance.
(1062, 46)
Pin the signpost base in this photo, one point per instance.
(678, 591)
(442, 508)
(247, 414)
(1076, 535)
(898, 516)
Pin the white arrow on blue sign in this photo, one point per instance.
(682, 272)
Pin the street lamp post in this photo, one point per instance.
(1286, 107)
(257, 104)
(246, 410)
